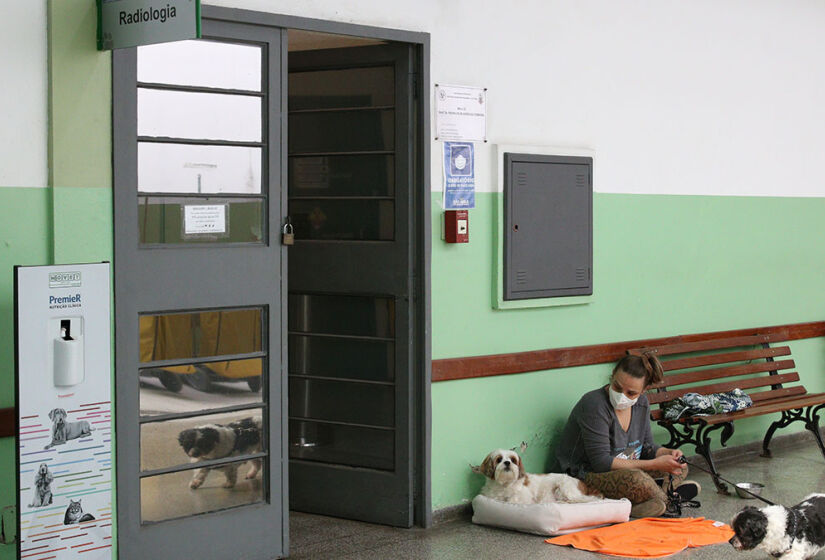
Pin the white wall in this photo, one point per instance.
(23, 93)
(723, 97)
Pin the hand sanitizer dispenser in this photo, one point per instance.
(68, 352)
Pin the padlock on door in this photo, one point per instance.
(288, 236)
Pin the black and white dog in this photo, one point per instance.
(795, 533)
(217, 441)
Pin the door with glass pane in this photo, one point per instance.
(199, 306)
(350, 322)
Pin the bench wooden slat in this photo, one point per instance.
(756, 397)
(759, 396)
(659, 397)
(685, 347)
(768, 408)
(721, 373)
(712, 359)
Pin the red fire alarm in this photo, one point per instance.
(457, 226)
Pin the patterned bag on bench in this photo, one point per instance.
(694, 404)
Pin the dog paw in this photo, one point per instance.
(251, 474)
(195, 484)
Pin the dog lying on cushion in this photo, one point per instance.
(795, 533)
(507, 482)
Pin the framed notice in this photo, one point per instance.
(460, 113)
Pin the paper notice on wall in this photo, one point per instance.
(460, 113)
(459, 176)
(204, 218)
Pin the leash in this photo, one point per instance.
(682, 459)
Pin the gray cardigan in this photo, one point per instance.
(593, 437)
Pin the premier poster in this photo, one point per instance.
(63, 379)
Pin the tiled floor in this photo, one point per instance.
(794, 472)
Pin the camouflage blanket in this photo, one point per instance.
(694, 404)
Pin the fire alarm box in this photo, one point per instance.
(457, 226)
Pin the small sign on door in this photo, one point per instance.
(199, 219)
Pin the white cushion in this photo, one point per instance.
(549, 519)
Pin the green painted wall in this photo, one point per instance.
(663, 265)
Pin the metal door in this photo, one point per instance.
(350, 277)
(199, 299)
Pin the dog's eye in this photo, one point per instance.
(498, 459)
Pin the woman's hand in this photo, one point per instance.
(665, 451)
(668, 462)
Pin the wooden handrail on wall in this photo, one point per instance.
(522, 362)
(8, 422)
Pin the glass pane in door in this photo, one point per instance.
(171, 496)
(203, 63)
(341, 383)
(199, 364)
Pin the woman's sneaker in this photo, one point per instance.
(688, 490)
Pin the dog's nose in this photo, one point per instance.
(506, 463)
(734, 542)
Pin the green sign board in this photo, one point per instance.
(129, 23)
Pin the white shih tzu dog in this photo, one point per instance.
(507, 482)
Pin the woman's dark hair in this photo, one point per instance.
(647, 367)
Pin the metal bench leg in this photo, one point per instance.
(812, 424)
(703, 449)
(698, 434)
(769, 434)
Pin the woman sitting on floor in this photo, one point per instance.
(607, 442)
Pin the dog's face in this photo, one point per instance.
(197, 442)
(750, 527)
(57, 415)
(43, 470)
(503, 466)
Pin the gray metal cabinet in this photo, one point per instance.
(548, 226)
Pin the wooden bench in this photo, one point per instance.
(714, 366)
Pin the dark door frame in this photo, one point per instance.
(422, 227)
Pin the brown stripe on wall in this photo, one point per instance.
(522, 362)
(8, 422)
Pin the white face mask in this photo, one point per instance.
(620, 400)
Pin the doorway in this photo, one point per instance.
(351, 274)
(312, 359)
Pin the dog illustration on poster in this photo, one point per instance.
(63, 431)
(42, 487)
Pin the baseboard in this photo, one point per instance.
(720, 456)
(452, 513)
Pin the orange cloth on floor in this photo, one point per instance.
(651, 537)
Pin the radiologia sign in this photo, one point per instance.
(130, 23)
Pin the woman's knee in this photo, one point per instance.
(633, 484)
